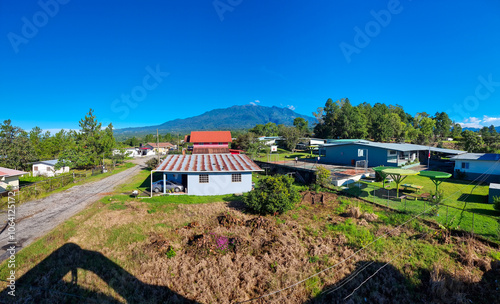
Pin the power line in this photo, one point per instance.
(362, 248)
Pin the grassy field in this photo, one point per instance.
(464, 207)
(285, 155)
(211, 250)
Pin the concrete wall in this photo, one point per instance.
(9, 181)
(47, 170)
(219, 183)
(478, 167)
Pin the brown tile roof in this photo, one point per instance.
(210, 150)
(208, 163)
(210, 136)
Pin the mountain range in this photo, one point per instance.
(232, 118)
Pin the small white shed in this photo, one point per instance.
(47, 168)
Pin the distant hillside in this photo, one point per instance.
(233, 118)
(477, 129)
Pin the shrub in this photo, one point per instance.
(152, 163)
(496, 202)
(170, 253)
(273, 194)
(322, 176)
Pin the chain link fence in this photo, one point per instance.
(449, 216)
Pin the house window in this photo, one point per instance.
(465, 165)
(236, 178)
(48, 168)
(203, 178)
(35, 168)
(392, 152)
(220, 144)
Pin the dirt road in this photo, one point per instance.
(36, 218)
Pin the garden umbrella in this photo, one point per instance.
(436, 177)
(398, 175)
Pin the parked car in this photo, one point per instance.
(170, 185)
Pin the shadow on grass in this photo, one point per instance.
(44, 283)
(389, 285)
(473, 198)
(492, 213)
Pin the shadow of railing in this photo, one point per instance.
(44, 283)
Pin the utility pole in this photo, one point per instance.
(158, 146)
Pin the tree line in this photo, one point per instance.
(84, 148)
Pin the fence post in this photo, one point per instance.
(405, 203)
(472, 222)
(374, 194)
(387, 201)
(446, 215)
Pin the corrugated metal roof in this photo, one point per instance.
(494, 186)
(403, 147)
(208, 163)
(51, 162)
(210, 136)
(477, 156)
(10, 172)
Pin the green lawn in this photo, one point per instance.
(464, 207)
(284, 155)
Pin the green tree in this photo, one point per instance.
(443, 125)
(291, 137)
(92, 144)
(301, 124)
(273, 195)
(456, 131)
(472, 141)
(16, 150)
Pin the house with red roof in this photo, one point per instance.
(10, 177)
(210, 142)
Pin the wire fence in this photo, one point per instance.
(37, 189)
(449, 216)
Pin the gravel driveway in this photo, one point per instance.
(36, 218)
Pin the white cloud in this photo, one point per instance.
(291, 107)
(254, 103)
(488, 119)
(474, 122)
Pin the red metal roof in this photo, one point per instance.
(210, 136)
(10, 172)
(208, 163)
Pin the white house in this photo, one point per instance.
(481, 166)
(9, 177)
(47, 168)
(209, 174)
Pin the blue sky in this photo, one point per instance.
(143, 63)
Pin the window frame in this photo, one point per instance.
(204, 179)
(236, 178)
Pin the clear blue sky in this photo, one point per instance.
(176, 59)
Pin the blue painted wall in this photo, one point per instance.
(219, 183)
(344, 154)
